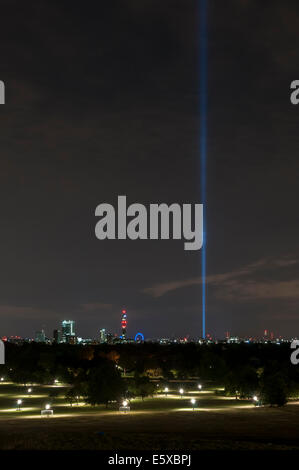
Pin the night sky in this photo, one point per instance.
(102, 99)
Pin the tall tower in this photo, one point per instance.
(124, 324)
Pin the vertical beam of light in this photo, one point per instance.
(203, 142)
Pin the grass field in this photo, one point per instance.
(161, 422)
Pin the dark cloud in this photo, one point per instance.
(102, 100)
(242, 284)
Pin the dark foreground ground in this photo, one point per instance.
(227, 428)
(157, 423)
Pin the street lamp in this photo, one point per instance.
(193, 402)
(199, 387)
(166, 391)
(2, 379)
(19, 403)
(125, 406)
(181, 392)
(47, 411)
(256, 400)
(29, 390)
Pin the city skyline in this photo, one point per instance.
(67, 332)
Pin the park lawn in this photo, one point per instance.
(159, 422)
(33, 403)
(177, 429)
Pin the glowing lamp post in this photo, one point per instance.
(29, 390)
(19, 403)
(125, 406)
(193, 403)
(199, 386)
(181, 391)
(166, 390)
(2, 379)
(47, 411)
(256, 400)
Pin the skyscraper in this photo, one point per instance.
(40, 336)
(103, 336)
(57, 336)
(68, 331)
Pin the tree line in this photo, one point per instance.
(105, 373)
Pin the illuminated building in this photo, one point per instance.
(84, 341)
(68, 331)
(40, 336)
(57, 336)
(109, 338)
(103, 336)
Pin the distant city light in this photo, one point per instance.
(139, 337)
(124, 324)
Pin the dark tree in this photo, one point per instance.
(140, 387)
(274, 389)
(104, 384)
